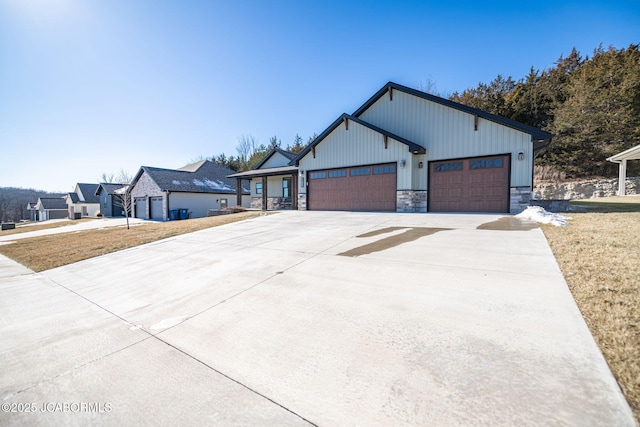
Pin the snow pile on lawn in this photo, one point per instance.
(539, 214)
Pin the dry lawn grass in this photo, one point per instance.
(25, 228)
(599, 254)
(46, 252)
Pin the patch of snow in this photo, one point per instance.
(168, 323)
(539, 214)
(198, 183)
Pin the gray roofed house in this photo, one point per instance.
(110, 197)
(198, 188)
(83, 201)
(51, 208)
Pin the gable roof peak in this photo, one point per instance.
(536, 134)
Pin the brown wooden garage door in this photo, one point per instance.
(361, 188)
(469, 185)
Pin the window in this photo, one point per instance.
(223, 203)
(360, 171)
(448, 167)
(317, 175)
(379, 170)
(337, 174)
(258, 188)
(486, 163)
(286, 185)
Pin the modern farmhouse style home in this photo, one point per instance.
(408, 151)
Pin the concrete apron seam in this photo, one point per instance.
(151, 335)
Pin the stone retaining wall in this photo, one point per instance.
(586, 189)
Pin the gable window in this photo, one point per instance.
(258, 188)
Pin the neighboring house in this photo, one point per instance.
(52, 208)
(273, 181)
(111, 199)
(83, 202)
(408, 151)
(632, 153)
(197, 187)
(33, 211)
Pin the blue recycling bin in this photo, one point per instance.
(174, 214)
(184, 213)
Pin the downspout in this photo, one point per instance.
(167, 210)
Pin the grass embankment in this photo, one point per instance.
(46, 252)
(599, 255)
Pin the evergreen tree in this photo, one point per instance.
(600, 115)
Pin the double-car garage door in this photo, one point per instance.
(469, 185)
(359, 188)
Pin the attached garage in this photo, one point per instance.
(478, 184)
(156, 209)
(141, 207)
(359, 188)
(447, 157)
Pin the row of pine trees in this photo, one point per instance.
(591, 105)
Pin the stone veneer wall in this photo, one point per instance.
(278, 203)
(411, 201)
(302, 202)
(586, 189)
(256, 203)
(519, 199)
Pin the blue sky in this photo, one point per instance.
(94, 86)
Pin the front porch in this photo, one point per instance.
(272, 188)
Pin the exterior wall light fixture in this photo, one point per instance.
(521, 156)
(403, 163)
(420, 165)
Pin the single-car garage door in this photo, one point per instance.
(469, 185)
(141, 208)
(358, 188)
(156, 208)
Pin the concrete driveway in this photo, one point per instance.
(308, 318)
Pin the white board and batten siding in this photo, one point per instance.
(277, 160)
(360, 146)
(448, 133)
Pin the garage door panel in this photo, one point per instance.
(469, 185)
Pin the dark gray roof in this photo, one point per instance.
(412, 147)
(109, 188)
(53, 203)
(536, 134)
(89, 193)
(208, 178)
(287, 154)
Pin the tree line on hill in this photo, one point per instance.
(590, 105)
(14, 201)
